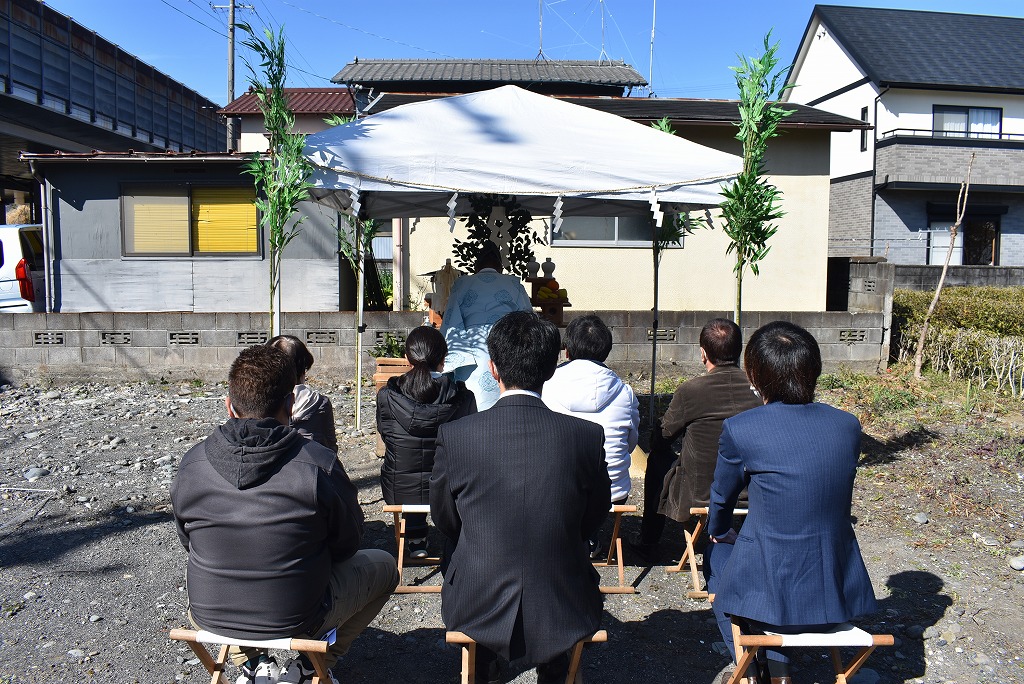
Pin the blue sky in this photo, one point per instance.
(695, 42)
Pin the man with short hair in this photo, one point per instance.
(586, 388)
(697, 410)
(518, 490)
(272, 527)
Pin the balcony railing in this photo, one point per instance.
(949, 135)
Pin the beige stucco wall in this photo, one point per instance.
(698, 276)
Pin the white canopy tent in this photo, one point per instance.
(408, 161)
(556, 158)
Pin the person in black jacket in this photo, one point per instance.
(312, 412)
(272, 526)
(410, 409)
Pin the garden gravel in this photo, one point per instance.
(93, 574)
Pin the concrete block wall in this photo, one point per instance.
(187, 345)
(909, 277)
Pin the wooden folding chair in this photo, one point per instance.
(314, 649)
(434, 561)
(615, 553)
(469, 655)
(844, 635)
(690, 556)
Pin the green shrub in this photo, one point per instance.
(998, 310)
(975, 333)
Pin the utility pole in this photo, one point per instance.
(230, 7)
(231, 72)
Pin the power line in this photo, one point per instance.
(364, 31)
(288, 41)
(186, 14)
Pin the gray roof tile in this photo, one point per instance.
(490, 70)
(943, 50)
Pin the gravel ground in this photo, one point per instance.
(93, 573)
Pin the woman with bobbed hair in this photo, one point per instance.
(410, 409)
(795, 566)
(312, 412)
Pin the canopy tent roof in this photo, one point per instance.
(410, 160)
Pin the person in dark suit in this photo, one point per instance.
(795, 566)
(518, 490)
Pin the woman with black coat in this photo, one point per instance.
(410, 409)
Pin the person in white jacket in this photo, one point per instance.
(584, 387)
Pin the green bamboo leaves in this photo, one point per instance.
(282, 174)
(752, 203)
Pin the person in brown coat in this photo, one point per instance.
(697, 410)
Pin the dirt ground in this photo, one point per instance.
(93, 574)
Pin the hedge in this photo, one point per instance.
(975, 332)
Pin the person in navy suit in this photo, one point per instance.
(795, 566)
(519, 490)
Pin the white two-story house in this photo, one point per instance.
(937, 87)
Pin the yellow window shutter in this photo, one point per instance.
(156, 222)
(224, 220)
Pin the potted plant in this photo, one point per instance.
(390, 355)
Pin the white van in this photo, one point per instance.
(21, 269)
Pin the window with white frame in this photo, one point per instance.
(605, 231)
(967, 122)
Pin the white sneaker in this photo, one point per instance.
(266, 672)
(295, 672)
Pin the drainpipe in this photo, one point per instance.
(44, 197)
(874, 175)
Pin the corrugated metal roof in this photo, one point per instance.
(676, 109)
(942, 50)
(300, 100)
(615, 73)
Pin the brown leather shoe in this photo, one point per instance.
(782, 680)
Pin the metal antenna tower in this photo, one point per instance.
(650, 69)
(604, 55)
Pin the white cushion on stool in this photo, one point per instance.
(841, 635)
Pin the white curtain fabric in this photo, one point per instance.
(984, 123)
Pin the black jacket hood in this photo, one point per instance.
(247, 451)
(421, 420)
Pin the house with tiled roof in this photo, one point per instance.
(309, 105)
(589, 248)
(937, 87)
